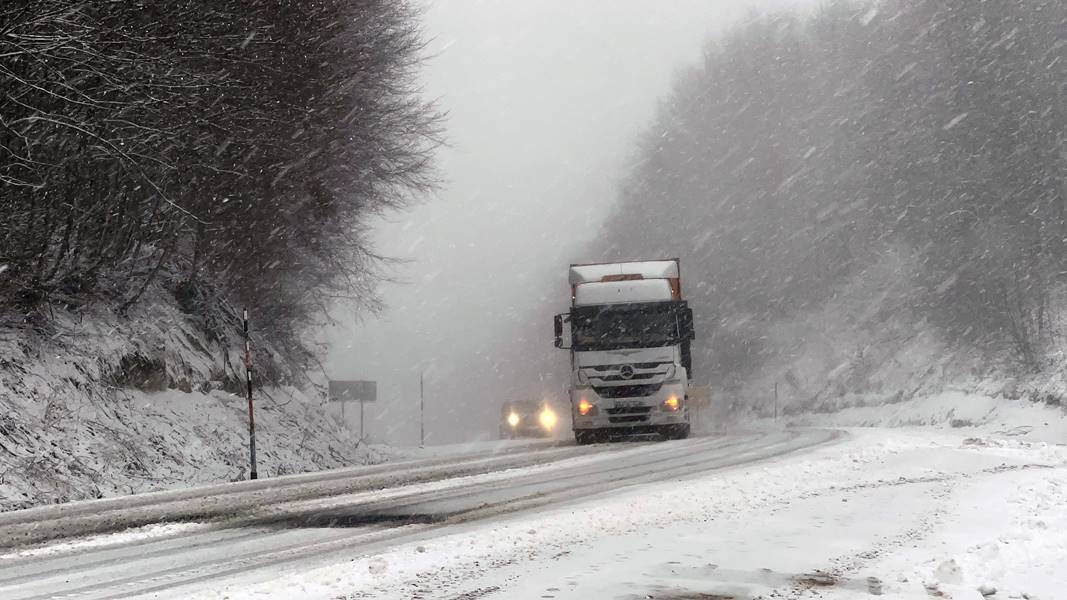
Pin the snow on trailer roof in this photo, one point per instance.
(648, 269)
(623, 292)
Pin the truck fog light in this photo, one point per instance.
(586, 408)
(672, 403)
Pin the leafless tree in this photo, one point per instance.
(228, 149)
(804, 146)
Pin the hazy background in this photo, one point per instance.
(545, 100)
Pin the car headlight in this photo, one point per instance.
(513, 420)
(548, 418)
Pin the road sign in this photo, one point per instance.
(353, 391)
(358, 391)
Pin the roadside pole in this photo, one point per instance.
(775, 400)
(422, 412)
(251, 414)
(360, 418)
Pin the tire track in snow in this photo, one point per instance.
(175, 569)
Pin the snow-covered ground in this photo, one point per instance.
(906, 512)
(954, 409)
(952, 496)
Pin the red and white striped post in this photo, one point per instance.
(251, 414)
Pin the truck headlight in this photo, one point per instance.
(672, 403)
(586, 408)
(548, 418)
(513, 420)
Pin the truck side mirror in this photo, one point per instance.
(558, 330)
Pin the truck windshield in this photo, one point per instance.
(640, 325)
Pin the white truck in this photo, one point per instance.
(631, 365)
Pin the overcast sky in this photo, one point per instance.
(545, 99)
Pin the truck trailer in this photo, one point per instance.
(631, 365)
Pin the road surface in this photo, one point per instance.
(254, 531)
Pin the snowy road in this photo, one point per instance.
(253, 533)
(908, 513)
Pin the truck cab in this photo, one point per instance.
(630, 333)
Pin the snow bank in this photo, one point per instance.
(954, 409)
(103, 404)
(134, 534)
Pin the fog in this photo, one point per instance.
(545, 101)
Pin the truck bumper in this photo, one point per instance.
(636, 414)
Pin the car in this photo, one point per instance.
(528, 418)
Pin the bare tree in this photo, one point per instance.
(803, 147)
(225, 148)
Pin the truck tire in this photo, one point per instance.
(675, 432)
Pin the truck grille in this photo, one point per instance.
(628, 419)
(638, 373)
(627, 391)
(629, 410)
(629, 414)
(635, 376)
(649, 365)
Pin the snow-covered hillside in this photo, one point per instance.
(868, 347)
(101, 404)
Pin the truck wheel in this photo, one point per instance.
(585, 437)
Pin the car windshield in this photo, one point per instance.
(523, 408)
